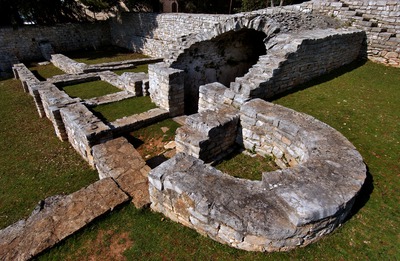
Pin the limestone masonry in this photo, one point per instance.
(163, 35)
(217, 71)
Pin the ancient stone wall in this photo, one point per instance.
(167, 35)
(291, 59)
(208, 135)
(287, 208)
(83, 129)
(164, 35)
(58, 217)
(153, 34)
(166, 88)
(119, 160)
(23, 42)
(380, 19)
(53, 99)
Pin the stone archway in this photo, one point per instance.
(174, 7)
(220, 59)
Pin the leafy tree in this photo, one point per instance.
(209, 6)
(250, 5)
(16, 12)
(100, 5)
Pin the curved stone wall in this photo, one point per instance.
(290, 207)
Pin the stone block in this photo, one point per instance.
(58, 217)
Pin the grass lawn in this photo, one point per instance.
(89, 90)
(244, 166)
(104, 55)
(150, 141)
(140, 68)
(362, 103)
(42, 72)
(116, 110)
(34, 164)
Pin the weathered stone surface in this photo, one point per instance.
(313, 193)
(126, 64)
(26, 77)
(118, 159)
(133, 82)
(166, 35)
(70, 79)
(208, 135)
(166, 88)
(84, 130)
(112, 97)
(137, 121)
(67, 64)
(53, 99)
(57, 217)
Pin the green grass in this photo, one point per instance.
(116, 110)
(104, 55)
(244, 166)
(89, 90)
(42, 72)
(140, 68)
(34, 164)
(155, 131)
(362, 104)
(150, 141)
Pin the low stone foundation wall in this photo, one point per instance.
(166, 88)
(208, 135)
(288, 136)
(22, 73)
(58, 217)
(137, 121)
(31, 84)
(288, 208)
(53, 99)
(119, 160)
(69, 65)
(108, 98)
(137, 83)
(71, 79)
(84, 130)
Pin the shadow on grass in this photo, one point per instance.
(321, 79)
(100, 116)
(229, 156)
(38, 76)
(363, 196)
(92, 53)
(133, 140)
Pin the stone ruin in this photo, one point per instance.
(320, 173)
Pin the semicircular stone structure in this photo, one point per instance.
(311, 195)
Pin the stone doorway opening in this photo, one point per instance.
(220, 59)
